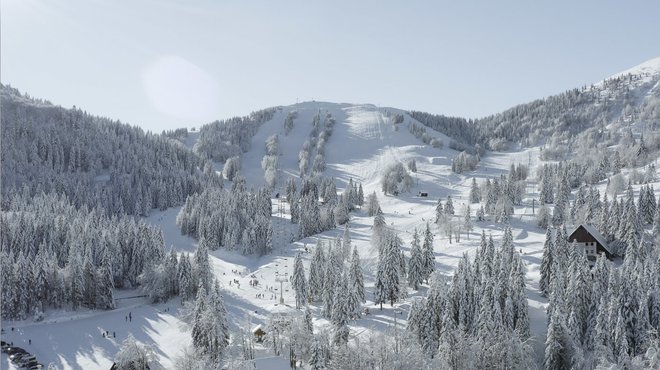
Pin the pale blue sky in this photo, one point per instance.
(166, 64)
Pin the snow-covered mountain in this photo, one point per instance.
(606, 133)
(649, 69)
(364, 141)
(600, 113)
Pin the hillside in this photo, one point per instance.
(594, 116)
(606, 133)
(95, 161)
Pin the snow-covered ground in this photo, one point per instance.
(363, 143)
(75, 340)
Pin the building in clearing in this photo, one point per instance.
(591, 241)
(259, 333)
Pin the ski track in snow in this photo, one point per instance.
(363, 143)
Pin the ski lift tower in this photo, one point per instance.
(281, 279)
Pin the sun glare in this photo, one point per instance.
(179, 88)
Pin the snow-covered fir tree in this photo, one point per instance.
(372, 204)
(317, 272)
(388, 286)
(475, 192)
(356, 276)
(484, 307)
(134, 355)
(299, 282)
(428, 255)
(547, 264)
(416, 268)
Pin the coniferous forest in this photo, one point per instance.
(342, 219)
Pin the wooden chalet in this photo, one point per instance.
(591, 241)
(258, 333)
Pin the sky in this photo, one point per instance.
(164, 64)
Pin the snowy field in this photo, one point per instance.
(363, 143)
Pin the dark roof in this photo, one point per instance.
(595, 233)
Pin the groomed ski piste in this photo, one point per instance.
(363, 143)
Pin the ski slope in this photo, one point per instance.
(364, 142)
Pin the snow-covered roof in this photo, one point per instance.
(595, 233)
(257, 328)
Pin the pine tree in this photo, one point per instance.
(632, 227)
(439, 213)
(216, 317)
(651, 205)
(76, 279)
(481, 214)
(356, 277)
(132, 355)
(416, 268)
(428, 253)
(7, 294)
(559, 210)
(200, 331)
(299, 281)
(475, 192)
(656, 226)
(642, 326)
(202, 274)
(186, 281)
(380, 286)
(294, 207)
(554, 346)
(353, 303)
(379, 230)
(412, 165)
(414, 321)
(621, 341)
(331, 276)
(429, 331)
(90, 283)
(317, 272)
(39, 278)
(449, 206)
(346, 241)
(360, 196)
(604, 217)
(172, 270)
(521, 313)
(467, 221)
(105, 287)
(316, 360)
(310, 215)
(547, 264)
(372, 204)
(309, 326)
(390, 268)
(341, 212)
(340, 312)
(546, 194)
